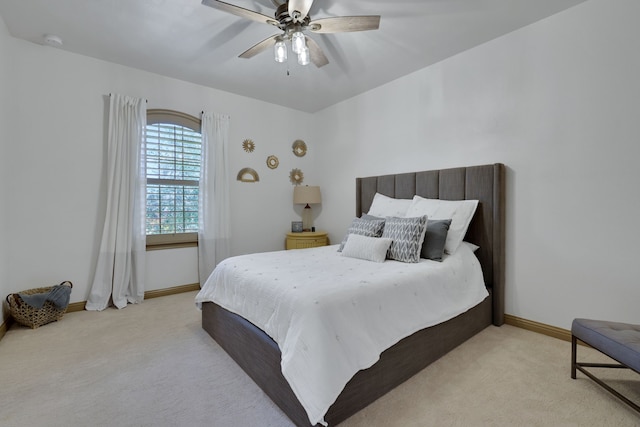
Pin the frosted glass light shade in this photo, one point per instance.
(297, 42)
(280, 51)
(303, 56)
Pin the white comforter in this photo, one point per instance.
(332, 315)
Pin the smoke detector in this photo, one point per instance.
(52, 40)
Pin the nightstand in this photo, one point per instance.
(307, 239)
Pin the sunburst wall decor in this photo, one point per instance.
(296, 176)
(248, 145)
(299, 148)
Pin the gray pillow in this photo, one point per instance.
(435, 238)
(364, 227)
(407, 235)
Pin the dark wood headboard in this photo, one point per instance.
(485, 183)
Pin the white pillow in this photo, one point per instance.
(460, 211)
(470, 245)
(367, 248)
(384, 206)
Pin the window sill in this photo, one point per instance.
(161, 246)
(171, 241)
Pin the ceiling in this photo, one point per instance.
(189, 41)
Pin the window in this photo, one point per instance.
(173, 154)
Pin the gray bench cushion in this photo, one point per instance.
(621, 341)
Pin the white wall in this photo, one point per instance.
(57, 160)
(5, 137)
(558, 102)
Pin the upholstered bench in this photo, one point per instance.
(619, 341)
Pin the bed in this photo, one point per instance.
(260, 356)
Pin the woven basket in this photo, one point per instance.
(32, 317)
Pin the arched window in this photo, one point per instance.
(174, 145)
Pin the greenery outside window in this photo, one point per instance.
(173, 155)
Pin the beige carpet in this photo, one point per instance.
(152, 365)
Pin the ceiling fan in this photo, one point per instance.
(292, 18)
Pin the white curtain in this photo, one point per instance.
(213, 229)
(120, 269)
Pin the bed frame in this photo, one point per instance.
(259, 356)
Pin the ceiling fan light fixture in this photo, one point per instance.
(303, 56)
(293, 19)
(297, 42)
(280, 51)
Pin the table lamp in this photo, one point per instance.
(306, 195)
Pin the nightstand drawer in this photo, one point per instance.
(306, 239)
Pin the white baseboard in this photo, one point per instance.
(540, 328)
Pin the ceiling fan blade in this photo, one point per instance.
(300, 6)
(240, 11)
(344, 24)
(259, 47)
(315, 53)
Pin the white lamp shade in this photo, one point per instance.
(305, 195)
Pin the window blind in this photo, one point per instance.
(173, 173)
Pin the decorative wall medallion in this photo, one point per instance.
(248, 145)
(248, 175)
(272, 162)
(299, 148)
(296, 176)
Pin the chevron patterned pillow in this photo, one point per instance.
(364, 227)
(407, 235)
